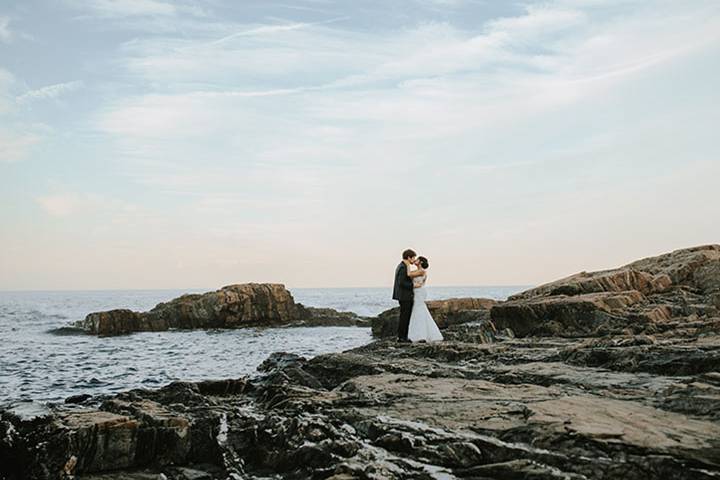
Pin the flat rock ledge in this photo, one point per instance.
(233, 306)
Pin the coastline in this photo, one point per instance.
(599, 375)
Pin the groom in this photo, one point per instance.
(403, 292)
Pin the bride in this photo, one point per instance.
(422, 326)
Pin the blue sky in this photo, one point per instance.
(157, 144)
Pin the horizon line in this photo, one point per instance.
(38, 290)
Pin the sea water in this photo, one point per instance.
(37, 363)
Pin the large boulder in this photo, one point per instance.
(230, 307)
(453, 311)
(233, 306)
(642, 297)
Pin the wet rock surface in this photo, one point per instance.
(634, 403)
(233, 306)
(517, 408)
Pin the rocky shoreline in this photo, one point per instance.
(612, 374)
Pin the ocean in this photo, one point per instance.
(37, 364)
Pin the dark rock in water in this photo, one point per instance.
(280, 360)
(648, 296)
(68, 330)
(79, 399)
(582, 401)
(323, 317)
(233, 306)
(446, 313)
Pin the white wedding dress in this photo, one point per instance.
(422, 326)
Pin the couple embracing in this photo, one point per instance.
(416, 324)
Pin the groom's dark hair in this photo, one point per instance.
(409, 254)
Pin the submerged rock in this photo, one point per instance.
(233, 306)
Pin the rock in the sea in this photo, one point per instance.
(233, 306)
(329, 316)
(646, 296)
(114, 322)
(454, 311)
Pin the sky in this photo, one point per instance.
(186, 144)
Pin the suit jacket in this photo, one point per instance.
(403, 289)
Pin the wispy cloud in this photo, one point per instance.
(59, 205)
(61, 202)
(16, 146)
(5, 33)
(432, 72)
(125, 8)
(6, 82)
(50, 91)
(271, 29)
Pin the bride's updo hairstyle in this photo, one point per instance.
(423, 262)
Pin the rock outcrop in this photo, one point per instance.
(647, 296)
(604, 402)
(233, 306)
(446, 313)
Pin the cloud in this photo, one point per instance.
(59, 205)
(5, 33)
(49, 91)
(392, 94)
(302, 134)
(6, 82)
(538, 21)
(91, 205)
(305, 119)
(17, 138)
(16, 146)
(271, 29)
(136, 9)
(558, 39)
(126, 8)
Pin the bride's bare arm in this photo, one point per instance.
(416, 273)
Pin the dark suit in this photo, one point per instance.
(404, 293)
